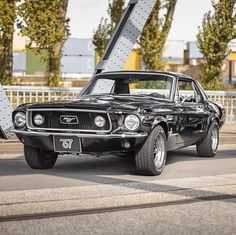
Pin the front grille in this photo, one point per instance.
(53, 120)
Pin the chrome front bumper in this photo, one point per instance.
(81, 135)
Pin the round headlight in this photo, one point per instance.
(39, 119)
(19, 119)
(132, 122)
(100, 121)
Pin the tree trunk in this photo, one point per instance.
(164, 34)
(6, 60)
(155, 32)
(53, 74)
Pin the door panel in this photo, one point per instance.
(194, 116)
(193, 122)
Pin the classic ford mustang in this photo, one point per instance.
(137, 113)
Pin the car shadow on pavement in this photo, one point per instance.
(190, 154)
(72, 171)
(75, 167)
(98, 172)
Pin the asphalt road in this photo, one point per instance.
(88, 195)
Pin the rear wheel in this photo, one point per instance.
(209, 146)
(39, 159)
(151, 158)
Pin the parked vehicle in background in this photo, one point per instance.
(109, 116)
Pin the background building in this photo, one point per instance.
(78, 57)
(79, 60)
(174, 52)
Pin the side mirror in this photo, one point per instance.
(186, 98)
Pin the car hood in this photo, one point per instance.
(107, 103)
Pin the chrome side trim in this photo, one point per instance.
(81, 135)
(30, 125)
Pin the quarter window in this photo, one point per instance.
(187, 91)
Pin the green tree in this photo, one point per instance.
(115, 11)
(7, 20)
(218, 29)
(107, 27)
(155, 32)
(101, 37)
(46, 25)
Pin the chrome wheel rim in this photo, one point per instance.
(159, 151)
(214, 138)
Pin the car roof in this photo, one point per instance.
(146, 72)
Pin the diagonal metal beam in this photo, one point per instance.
(125, 36)
(5, 115)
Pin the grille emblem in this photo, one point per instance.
(64, 119)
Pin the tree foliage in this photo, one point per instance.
(218, 29)
(7, 20)
(107, 26)
(46, 25)
(101, 37)
(115, 11)
(155, 32)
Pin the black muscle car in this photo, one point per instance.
(141, 114)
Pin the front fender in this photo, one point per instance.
(154, 121)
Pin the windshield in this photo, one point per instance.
(158, 86)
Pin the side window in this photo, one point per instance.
(187, 90)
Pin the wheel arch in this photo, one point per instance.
(215, 118)
(164, 125)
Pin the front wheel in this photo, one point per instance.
(151, 158)
(209, 145)
(39, 159)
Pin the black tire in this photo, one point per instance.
(39, 159)
(207, 147)
(145, 158)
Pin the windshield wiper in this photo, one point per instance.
(100, 94)
(150, 96)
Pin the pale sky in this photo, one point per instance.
(86, 14)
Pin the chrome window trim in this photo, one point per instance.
(29, 124)
(172, 89)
